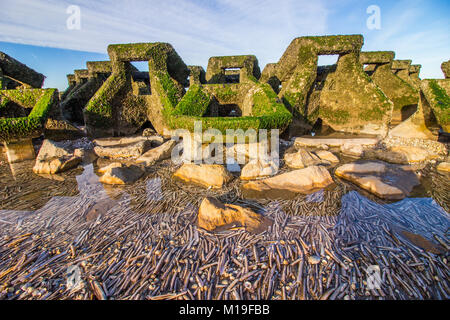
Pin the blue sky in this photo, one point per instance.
(35, 31)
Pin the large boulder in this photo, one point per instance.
(154, 155)
(55, 157)
(56, 165)
(385, 181)
(288, 184)
(205, 175)
(118, 173)
(213, 214)
(259, 168)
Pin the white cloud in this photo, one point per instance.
(197, 29)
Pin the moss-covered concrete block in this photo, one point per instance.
(217, 68)
(114, 109)
(404, 96)
(437, 95)
(20, 72)
(345, 98)
(197, 75)
(445, 67)
(81, 75)
(98, 68)
(41, 102)
(414, 72)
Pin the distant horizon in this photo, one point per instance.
(415, 30)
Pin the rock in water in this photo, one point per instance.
(117, 173)
(55, 157)
(206, 175)
(405, 155)
(285, 185)
(327, 156)
(259, 168)
(444, 166)
(301, 158)
(352, 150)
(131, 150)
(383, 180)
(56, 165)
(162, 152)
(213, 214)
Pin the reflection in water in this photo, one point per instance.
(315, 197)
(417, 216)
(93, 200)
(153, 189)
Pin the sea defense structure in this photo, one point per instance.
(227, 96)
(71, 84)
(14, 74)
(23, 115)
(24, 107)
(342, 96)
(404, 96)
(436, 95)
(414, 74)
(402, 68)
(82, 87)
(445, 67)
(433, 111)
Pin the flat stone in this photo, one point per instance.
(160, 153)
(405, 155)
(213, 214)
(130, 150)
(121, 175)
(259, 168)
(385, 181)
(352, 150)
(301, 158)
(303, 181)
(118, 141)
(444, 166)
(206, 175)
(327, 156)
(333, 142)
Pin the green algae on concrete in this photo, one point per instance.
(217, 68)
(40, 101)
(347, 100)
(169, 107)
(197, 75)
(113, 110)
(404, 96)
(436, 93)
(82, 86)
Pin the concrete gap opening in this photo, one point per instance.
(232, 75)
(327, 60)
(216, 109)
(141, 78)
